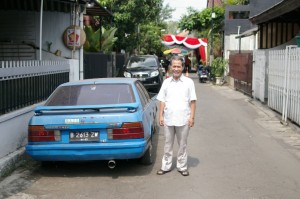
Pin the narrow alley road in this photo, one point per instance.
(237, 150)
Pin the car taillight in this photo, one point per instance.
(131, 130)
(40, 134)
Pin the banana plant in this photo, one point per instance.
(93, 42)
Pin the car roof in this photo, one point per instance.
(144, 56)
(109, 80)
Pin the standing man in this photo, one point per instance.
(177, 98)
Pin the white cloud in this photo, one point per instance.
(182, 5)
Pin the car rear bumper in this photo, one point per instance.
(87, 151)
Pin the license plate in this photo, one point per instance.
(84, 136)
(142, 79)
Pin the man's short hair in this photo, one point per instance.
(177, 58)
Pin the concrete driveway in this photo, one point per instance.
(238, 149)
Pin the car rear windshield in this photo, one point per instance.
(91, 95)
(141, 62)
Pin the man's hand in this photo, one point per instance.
(191, 122)
(161, 121)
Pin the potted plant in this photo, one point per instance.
(218, 68)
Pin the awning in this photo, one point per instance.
(190, 43)
(98, 10)
(248, 33)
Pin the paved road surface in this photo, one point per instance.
(237, 150)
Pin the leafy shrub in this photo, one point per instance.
(218, 67)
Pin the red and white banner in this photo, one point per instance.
(191, 43)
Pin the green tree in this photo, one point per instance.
(201, 22)
(166, 13)
(150, 39)
(133, 18)
(236, 2)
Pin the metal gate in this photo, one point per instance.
(259, 81)
(240, 67)
(284, 82)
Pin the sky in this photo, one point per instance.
(182, 5)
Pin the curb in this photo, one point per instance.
(10, 162)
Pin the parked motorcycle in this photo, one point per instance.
(202, 74)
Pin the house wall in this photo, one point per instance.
(18, 26)
(275, 33)
(24, 26)
(59, 22)
(232, 44)
(254, 7)
(234, 27)
(231, 24)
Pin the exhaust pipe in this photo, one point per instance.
(111, 164)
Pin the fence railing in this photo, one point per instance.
(23, 83)
(284, 82)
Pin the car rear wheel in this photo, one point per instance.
(47, 164)
(147, 158)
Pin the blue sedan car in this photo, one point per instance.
(95, 119)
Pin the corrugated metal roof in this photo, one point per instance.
(285, 11)
(53, 5)
(98, 10)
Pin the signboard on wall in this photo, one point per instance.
(74, 37)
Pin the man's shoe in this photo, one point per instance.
(184, 172)
(161, 172)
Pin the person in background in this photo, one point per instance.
(187, 63)
(177, 98)
(166, 64)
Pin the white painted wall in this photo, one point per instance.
(232, 44)
(74, 70)
(13, 130)
(54, 25)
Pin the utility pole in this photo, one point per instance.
(138, 32)
(211, 33)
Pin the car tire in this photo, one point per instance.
(47, 164)
(147, 158)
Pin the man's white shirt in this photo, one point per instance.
(177, 96)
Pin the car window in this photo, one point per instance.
(141, 62)
(91, 94)
(146, 94)
(141, 94)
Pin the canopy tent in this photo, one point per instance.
(190, 43)
(176, 51)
